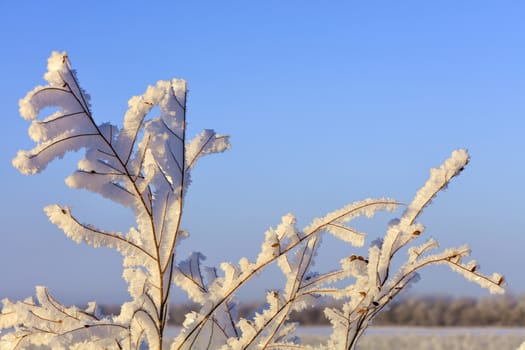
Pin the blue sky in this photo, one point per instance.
(326, 103)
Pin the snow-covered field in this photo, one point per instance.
(386, 338)
(395, 338)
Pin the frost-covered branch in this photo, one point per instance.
(145, 165)
(49, 323)
(374, 288)
(278, 245)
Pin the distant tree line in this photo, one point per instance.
(424, 311)
(461, 311)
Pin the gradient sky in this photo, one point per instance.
(326, 103)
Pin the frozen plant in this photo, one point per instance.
(145, 166)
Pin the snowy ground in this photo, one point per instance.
(431, 338)
(395, 338)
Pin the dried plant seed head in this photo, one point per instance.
(416, 233)
(353, 257)
(363, 294)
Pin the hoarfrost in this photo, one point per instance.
(146, 165)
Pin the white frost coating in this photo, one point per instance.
(189, 277)
(439, 178)
(87, 233)
(51, 317)
(36, 160)
(206, 142)
(143, 328)
(347, 234)
(279, 240)
(266, 327)
(172, 106)
(404, 230)
(270, 247)
(146, 166)
(54, 125)
(71, 128)
(335, 221)
(62, 82)
(376, 287)
(416, 252)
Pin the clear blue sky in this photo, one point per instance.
(326, 103)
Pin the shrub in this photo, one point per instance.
(145, 165)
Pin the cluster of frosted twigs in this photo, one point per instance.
(145, 165)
